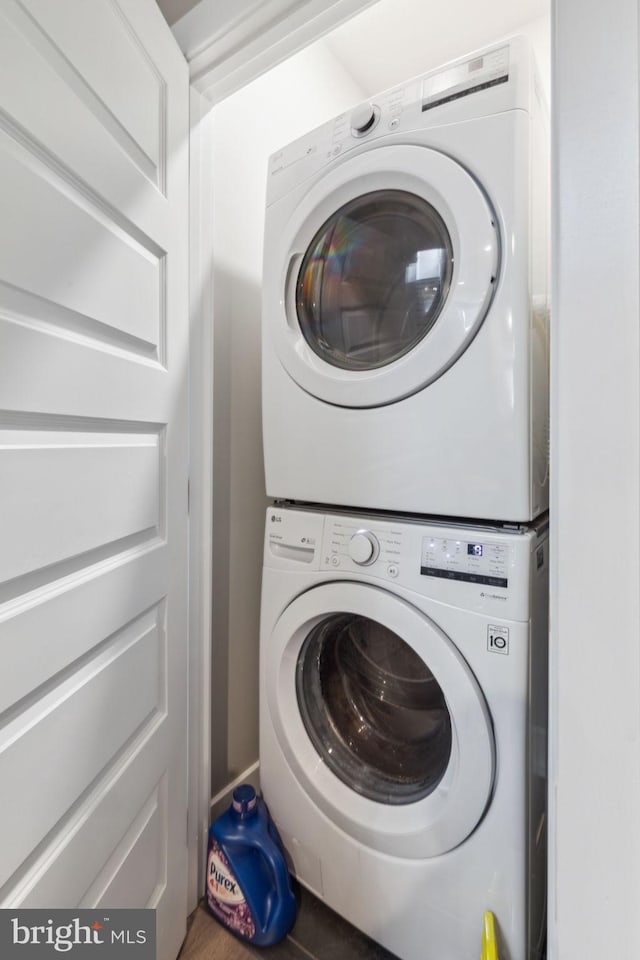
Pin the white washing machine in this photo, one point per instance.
(403, 724)
(405, 299)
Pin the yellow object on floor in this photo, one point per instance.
(489, 946)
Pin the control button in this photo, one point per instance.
(335, 561)
(392, 570)
(363, 119)
(363, 547)
(394, 123)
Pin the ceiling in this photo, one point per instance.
(174, 9)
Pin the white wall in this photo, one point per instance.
(394, 40)
(299, 94)
(595, 737)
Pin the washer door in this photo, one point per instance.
(389, 266)
(380, 718)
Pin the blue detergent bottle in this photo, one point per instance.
(248, 885)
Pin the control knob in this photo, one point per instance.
(364, 548)
(363, 119)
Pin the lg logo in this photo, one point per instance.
(498, 639)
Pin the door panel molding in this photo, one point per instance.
(94, 459)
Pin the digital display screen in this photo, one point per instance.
(474, 549)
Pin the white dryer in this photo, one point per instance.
(403, 724)
(405, 299)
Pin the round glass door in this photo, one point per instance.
(378, 274)
(379, 717)
(373, 709)
(374, 280)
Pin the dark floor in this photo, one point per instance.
(318, 934)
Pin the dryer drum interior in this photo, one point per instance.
(374, 280)
(373, 709)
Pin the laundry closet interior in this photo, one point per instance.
(309, 88)
(133, 301)
(586, 46)
(380, 48)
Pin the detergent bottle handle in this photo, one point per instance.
(277, 867)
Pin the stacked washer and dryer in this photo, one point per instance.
(405, 414)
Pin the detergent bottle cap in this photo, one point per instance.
(244, 800)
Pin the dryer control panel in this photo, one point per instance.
(399, 114)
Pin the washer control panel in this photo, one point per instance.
(364, 547)
(473, 561)
(477, 567)
(349, 544)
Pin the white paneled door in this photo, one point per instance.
(93, 459)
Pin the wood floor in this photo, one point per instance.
(208, 940)
(318, 934)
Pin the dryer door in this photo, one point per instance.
(381, 719)
(389, 264)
